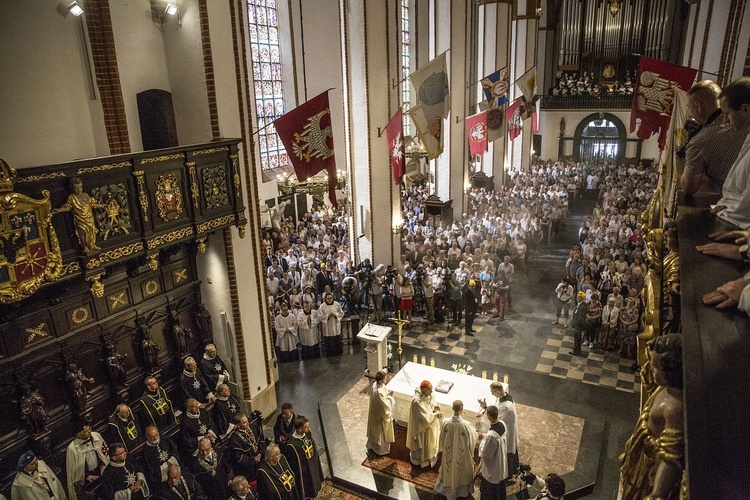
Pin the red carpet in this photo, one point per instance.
(397, 464)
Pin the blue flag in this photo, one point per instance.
(496, 87)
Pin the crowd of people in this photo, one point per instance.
(216, 451)
(606, 268)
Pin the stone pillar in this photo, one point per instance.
(525, 27)
(370, 36)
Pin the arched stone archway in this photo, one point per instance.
(599, 138)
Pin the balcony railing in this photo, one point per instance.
(587, 102)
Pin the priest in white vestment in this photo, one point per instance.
(457, 441)
(506, 408)
(493, 462)
(286, 334)
(307, 328)
(380, 417)
(423, 431)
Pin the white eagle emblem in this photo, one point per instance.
(478, 133)
(396, 152)
(311, 142)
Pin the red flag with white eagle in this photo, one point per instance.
(307, 136)
(394, 132)
(476, 127)
(654, 96)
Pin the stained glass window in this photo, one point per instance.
(269, 104)
(405, 90)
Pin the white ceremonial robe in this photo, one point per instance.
(307, 325)
(506, 413)
(26, 488)
(75, 461)
(457, 441)
(286, 332)
(423, 431)
(492, 456)
(380, 420)
(332, 324)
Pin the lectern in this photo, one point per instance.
(375, 336)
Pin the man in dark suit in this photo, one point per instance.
(180, 486)
(470, 305)
(579, 323)
(284, 426)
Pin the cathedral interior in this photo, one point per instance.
(150, 207)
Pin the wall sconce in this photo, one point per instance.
(75, 9)
(398, 225)
(467, 187)
(160, 10)
(171, 9)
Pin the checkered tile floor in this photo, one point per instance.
(597, 368)
(605, 369)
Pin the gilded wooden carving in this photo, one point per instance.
(115, 218)
(193, 184)
(215, 186)
(207, 226)
(169, 237)
(29, 251)
(82, 206)
(114, 254)
(142, 196)
(168, 197)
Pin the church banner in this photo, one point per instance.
(430, 84)
(513, 117)
(430, 132)
(394, 132)
(528, 84)
(476, 126)
(307, 136)
(495, 121)
(653, 97)
(495, 87)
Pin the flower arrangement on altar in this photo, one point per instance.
(463, 369)
(389, 356)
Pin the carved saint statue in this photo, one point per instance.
(77, 380)
(276, 213)
(149, 348)
(206, 327)
(181, 334)
(653, 460)
(32, 409)
(114, 363)
(81, 205)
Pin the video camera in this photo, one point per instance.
(390, 275)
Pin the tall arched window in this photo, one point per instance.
(269, 96)
(405, 62)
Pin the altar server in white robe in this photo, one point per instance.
(329, 315)
(286, 334)
(507, 413)
(493, 462)
(457, 441)
(380, 417)
(423, 431)
(309, 335)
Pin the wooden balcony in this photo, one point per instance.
(552, 102)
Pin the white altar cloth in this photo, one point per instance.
(468, 388)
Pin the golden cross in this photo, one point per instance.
(161, 406)
(400, 322)
(287, 480)
(308, 449)
(117, 300)
(131, 431)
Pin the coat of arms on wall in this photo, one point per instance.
(215, 186)
(115, 218)
(168, 197)
(29, 251)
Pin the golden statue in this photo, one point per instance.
(652, 464)
(671, 284)
(82, 206)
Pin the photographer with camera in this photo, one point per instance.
(552, 487)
